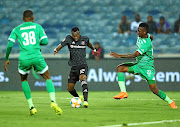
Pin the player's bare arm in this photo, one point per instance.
(151, 37)
(91, 47)
(5, 65)
(135, 54)
(56, 50)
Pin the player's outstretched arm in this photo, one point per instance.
(91, 47)
(114, 54)
(56, 50)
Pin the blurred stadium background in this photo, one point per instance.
(97, 19)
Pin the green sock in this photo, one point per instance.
(121, 81)
(27, 93)
(50, 89)
(163, 96)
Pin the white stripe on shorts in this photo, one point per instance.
(43, 71)
(23, 72)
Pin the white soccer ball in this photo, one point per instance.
(76, 102)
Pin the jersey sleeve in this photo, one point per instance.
(65, 41)
(42, 34)
(13, 36)
(87, 41)
(144, 47)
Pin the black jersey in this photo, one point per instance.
(77, 49)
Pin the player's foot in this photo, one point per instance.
(173, 105)
(81, 97)
(85, 104)
(121, 95)
(56, 108)
(33, 111)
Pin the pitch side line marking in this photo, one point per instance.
(144, 123)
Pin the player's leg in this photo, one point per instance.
(83, 79)
(161, 94)
(71, 90)
(49, 85)
(51, 91)
(121, 69)
(41, 67)
(27, 90)
(72, 79)
(24, 68)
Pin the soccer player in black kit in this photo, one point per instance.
(79, 69)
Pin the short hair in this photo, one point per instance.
(27, 14)
(162, 17)
(145, 26)
(74, 29)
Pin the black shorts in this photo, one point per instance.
(76, 71)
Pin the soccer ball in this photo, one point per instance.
(76, 102)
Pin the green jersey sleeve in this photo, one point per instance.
(143, 47)
(13, 36)
(42, 34)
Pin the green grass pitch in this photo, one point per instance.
(103, 110)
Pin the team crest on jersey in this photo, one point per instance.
(82, 42)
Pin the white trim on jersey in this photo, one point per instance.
(10, 39)
(43, 71)
(23, 72)
(139, 51)
(42, 38)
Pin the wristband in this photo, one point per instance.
(55, 50)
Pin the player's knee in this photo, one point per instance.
(70, 88)
(121, 68)
(82, 77)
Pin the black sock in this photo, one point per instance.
(85, 89)
(74, 93)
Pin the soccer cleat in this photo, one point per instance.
(121, 95)
(85, 104)
(173, 105)
(56, 108)
(33, 111)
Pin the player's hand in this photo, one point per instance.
(55, 51)
(5, 65)
(96, 52)
(114, 54)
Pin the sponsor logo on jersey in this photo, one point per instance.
(83, 42)
(73, 42)
(77, 46)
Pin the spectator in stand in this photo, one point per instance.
(163, 26)
(98, 48)
(152, 25)
(177, 26)
(124, 26)
(135, 24)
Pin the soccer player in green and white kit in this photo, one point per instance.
(144, 65)
(30, 36)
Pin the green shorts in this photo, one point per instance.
(146, 71)
(39, 65)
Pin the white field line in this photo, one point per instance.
(144, 123)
